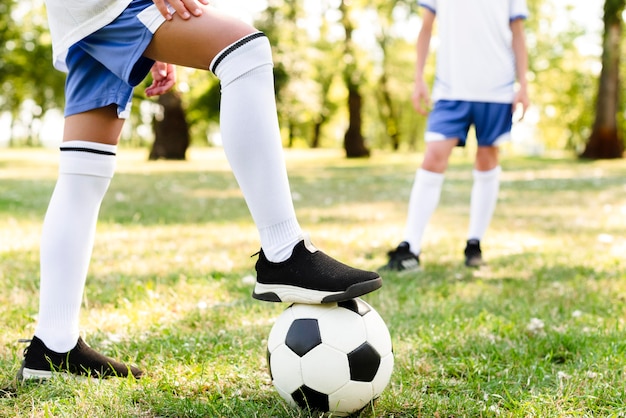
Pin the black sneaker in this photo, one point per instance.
(310, 276)
(39, 362)
(473, 254)
(402, 259)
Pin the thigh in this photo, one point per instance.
(196, 41)
(97, 125)
(95, 99)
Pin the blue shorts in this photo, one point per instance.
(104, 67)
(452, 119)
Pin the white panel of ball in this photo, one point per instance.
(325, 369)
(351, 397)
(285, 365)
(342, 329)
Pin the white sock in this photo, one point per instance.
(483, 201)
(252, 141)
(85, 171)
(424, 199)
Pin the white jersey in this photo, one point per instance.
(72, 20)
(475, 60)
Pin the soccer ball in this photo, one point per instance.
(333, 357)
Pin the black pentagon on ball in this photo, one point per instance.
(307, 398)
(364, 361)
(303, 336)
(355, 305)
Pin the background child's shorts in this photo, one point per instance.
(104, 67)
(453, 118)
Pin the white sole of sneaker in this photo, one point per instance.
(294, 294)
(28, 374)
(289, 294)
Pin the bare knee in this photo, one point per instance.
(437, 155)
(486, 158)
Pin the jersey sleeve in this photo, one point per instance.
(429, 4)
(519, 10)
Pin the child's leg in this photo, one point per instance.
(483, 201)
(423, 201)
(248, 120)
(426, 190)
(241, 57)
(252, 143)
(85, 171)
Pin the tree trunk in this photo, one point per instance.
(171, 132)
(317, 133)
(353, 140)
(606, 140)
(388, 112)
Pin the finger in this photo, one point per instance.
(150, 91)
(163, 9)
(163, 69)
(162, 82)
(417, 105)
(185, 8)
(524, 107)
(192, 6)
(171, 71)
(422, 104)
(422, 110)
(519, 108)
(159, 70)
(157, 89)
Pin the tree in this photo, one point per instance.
(171, 131)
(606, 139)
(396, 73)
(354, 143)
(323, 51)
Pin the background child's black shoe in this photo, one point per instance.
(39, 362)
(473, 254)
(310, 276)
(402, 259)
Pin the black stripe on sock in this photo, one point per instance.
(91, 150)
(234, 46)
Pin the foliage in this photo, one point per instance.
(613, 10)
(537, 332)
(296, 90)
(309, 62)
(397, 123)
(26, 73)
(561, 87)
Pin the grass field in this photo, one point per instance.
(538, 332)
